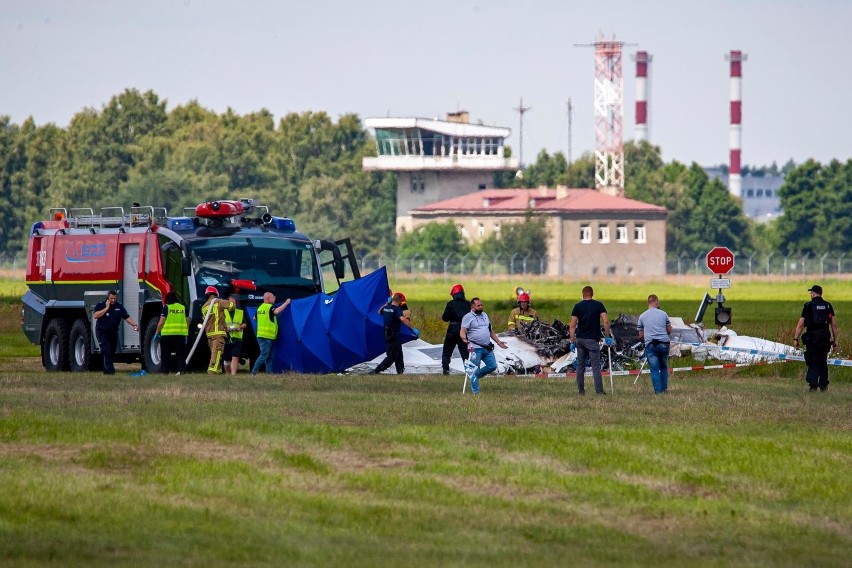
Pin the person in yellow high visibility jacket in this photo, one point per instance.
(523, 313)
(267, 329)
(215, 328)
(235, 325)
(173, 330)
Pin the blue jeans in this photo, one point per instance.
(658, 360)
(480, 354)
(265, 353)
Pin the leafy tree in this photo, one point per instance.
(432, 239)
(528, 237)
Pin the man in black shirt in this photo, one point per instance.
(585, 335)
(108, 315)
(455, 310)
(818, 317)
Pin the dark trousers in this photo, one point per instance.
(108, 341)
(589, 348)
(816, 358)
(452, 341)
(173, 352)
(393, 355)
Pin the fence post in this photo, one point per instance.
(822, 265)
(839, 263)
(768, 258)
(749, 262)
(804, 257)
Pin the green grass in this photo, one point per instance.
(741, 467)
(729, 469)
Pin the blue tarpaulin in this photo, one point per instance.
(330, 333)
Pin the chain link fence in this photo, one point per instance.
(521, 263)
(769, 264)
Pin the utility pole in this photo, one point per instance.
(570, 135)
(521, 109)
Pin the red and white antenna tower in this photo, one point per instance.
(609, 118)
(643, 65)
(736, 137)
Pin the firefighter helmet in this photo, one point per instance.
(211, 290)
(523, 297)
(456, 289)
(401, 297)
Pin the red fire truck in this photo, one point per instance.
(76, 256)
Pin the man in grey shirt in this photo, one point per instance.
(477, 333)
(654, 329)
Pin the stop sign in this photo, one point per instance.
(720, 260)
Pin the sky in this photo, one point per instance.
(380, 58)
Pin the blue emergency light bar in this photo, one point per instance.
(180, 224)
(283, 224)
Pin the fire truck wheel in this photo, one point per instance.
(152, 360)
(80, 356)
(54, 350)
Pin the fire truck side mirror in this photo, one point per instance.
(185, 266)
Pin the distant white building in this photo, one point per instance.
(591, 234)
(436, 159)
(759, 193)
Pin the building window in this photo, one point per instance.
(749, 193)
(418, 184)
(639, 235)
(621, 233)
(760, 193)
(464, 232)
(585, 234)
(603, 234)
(768, 193)
(496, 228)
(480, 230)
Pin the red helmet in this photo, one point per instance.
(211, 290)
(523, 297)
(456, 289)
(401, 297)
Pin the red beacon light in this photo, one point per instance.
(219, 209)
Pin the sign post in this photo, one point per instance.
(720, 260)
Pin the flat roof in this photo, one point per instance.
(439, 126)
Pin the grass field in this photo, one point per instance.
(742, 467)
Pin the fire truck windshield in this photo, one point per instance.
(274, 263)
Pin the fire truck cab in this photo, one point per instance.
(76, 256)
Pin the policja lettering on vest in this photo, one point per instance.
(173, 330)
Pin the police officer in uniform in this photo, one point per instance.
(821, 336)
(267, 329)
(108, 315)
(523, 313)
(173, 330)
(235, 325)
(394, 320)
(455, 310)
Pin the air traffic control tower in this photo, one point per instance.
(436, 159)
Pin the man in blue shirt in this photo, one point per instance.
(477, 333)
(655, 330)
(394, 320)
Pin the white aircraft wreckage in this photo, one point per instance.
(538, 347)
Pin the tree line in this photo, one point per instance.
(308, 167)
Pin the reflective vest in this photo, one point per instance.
(175, 323)
(266, 329)
(234, 321)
